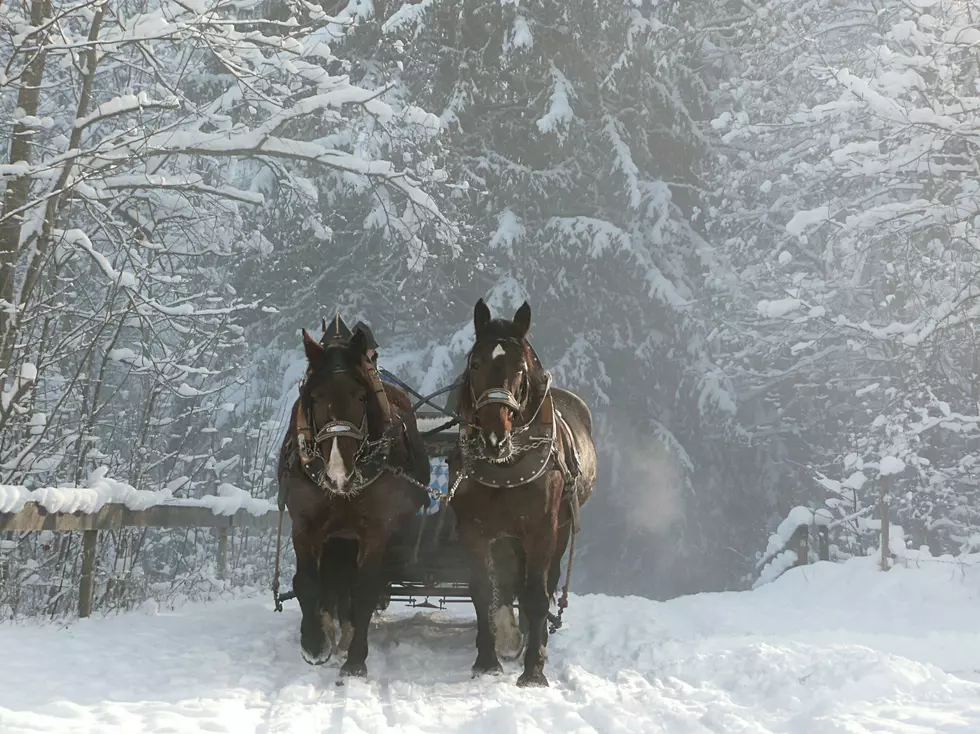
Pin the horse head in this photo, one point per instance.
(340, 406)
(501, 379)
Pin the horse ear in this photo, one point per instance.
(522, 319)
(313, 348)
(358, 343)
(481, 317)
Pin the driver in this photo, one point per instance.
(372, 348)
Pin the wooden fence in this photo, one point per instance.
(35, 518)
(799, 543)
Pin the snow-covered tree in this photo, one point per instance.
(573, 132)
(144, 143)
(848, 197)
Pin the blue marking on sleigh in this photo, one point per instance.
(439, 483)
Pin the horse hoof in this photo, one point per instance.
(316, 658)
(532, 680)
(494, 668)
(353, 670)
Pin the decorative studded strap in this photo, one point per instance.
(540, 444)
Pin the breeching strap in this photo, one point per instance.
(275, 576)
(563, 602)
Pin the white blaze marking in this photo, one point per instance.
(498, 351)
(493, 439)
(335, 468)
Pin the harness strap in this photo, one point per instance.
(304, 435)
(546, 411)
(374, 378)
(340, 429)
(275, 576)
(556, 622)
(499, 396)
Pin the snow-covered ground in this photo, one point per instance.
(826, 649)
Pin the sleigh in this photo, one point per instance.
(426, 564)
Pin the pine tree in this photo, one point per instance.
(576, 128)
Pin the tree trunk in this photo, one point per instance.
(51, 207)
(18, 191)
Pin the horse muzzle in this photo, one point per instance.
(497, 448)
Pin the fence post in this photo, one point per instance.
(823, 543)
(800, 543)
(223, 552)
(883, 506)
(86, 585)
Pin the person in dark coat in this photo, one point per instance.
(372, 348)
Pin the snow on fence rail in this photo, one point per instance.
(110, 505)
(789, 546)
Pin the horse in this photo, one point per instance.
(524, 465)
(352, 472)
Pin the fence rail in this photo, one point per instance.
(35, 518)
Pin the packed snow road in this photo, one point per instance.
(825, 649)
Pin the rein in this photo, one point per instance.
(454, 418)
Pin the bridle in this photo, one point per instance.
(472, 445)
(370, 456)
(500, 395)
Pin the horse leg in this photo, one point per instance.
(335, 588)
(482, 593)
(508, 569)
(306, 585)
(344, 614)
(366, 592)
(539, 549)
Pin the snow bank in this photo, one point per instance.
(101, 490)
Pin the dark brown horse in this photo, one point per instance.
(528, 463)
(354, 471)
